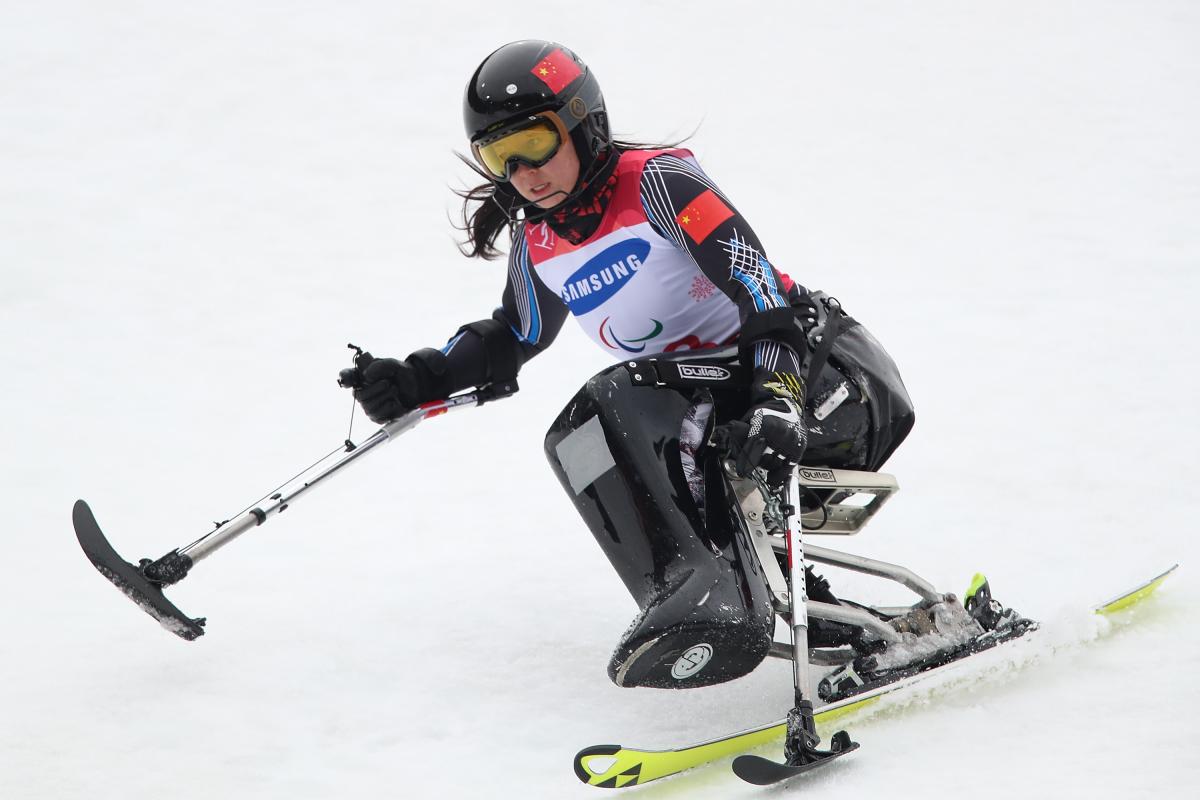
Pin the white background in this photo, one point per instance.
(201, 203)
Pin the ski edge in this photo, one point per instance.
(616, 767)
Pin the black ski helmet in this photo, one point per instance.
(532, 76)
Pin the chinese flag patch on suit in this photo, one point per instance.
(556, 70)
(702, 215)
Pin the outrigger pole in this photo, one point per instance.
(144, 583)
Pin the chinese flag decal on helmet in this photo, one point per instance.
(556, 70)
(702, 215)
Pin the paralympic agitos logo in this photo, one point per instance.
(604, 275)
(630, 345)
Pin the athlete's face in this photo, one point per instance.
(548, 185)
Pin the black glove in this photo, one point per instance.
(384, 387)
(771, 436)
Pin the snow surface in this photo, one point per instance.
(201, 203)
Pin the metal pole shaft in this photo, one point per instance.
(234, 528)
(257, 516)
(799, 603)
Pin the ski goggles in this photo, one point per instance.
(532, 141)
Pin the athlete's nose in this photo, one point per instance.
(521, 168)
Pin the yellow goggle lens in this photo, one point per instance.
(534, 145)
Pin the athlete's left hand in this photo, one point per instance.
(384, 387)
(771, 435)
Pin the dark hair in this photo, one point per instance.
(486, 207)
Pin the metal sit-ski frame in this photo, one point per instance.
(848, 499)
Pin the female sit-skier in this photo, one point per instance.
(660, 269)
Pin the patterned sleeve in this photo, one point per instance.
(687, 208)
(531, 312)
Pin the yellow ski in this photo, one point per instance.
(615, 767)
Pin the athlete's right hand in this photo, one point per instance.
(771, 436)
(384, 387)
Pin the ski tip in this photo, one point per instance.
(85, 525)
(1135, 595)
(606, 766)
(756, 769)
(80, 510)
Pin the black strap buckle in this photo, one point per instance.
(679, 374)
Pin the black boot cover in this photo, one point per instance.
(706, 615)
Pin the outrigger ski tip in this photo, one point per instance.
(132, 580)
(800, 753)
(764, 772)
